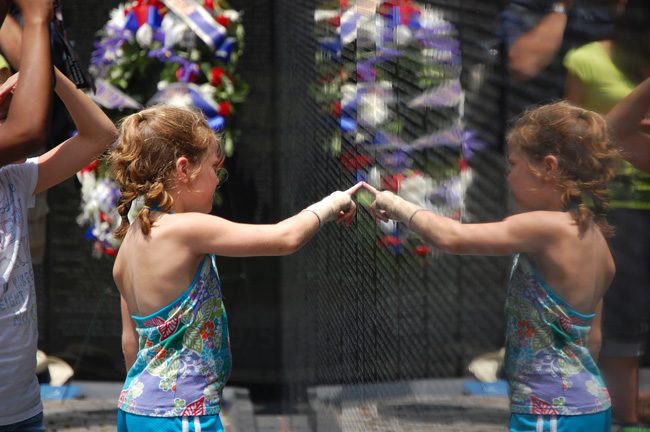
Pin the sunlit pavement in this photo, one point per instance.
(410, 406)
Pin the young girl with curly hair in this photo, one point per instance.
(560, 160)
(175, 330)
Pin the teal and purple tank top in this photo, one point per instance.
(183, 361)
(548, 365)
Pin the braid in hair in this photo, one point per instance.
(144, 159)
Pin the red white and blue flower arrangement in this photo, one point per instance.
(182, 52)
(365, 51)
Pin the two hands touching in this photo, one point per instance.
(386, 205)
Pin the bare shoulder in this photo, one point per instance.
(544, 223)
(188, 225)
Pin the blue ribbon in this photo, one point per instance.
(215, 121)
(131, 22)
(153, 17)
(225, 50)
(348, 124)
(211, 32)
(331, 45)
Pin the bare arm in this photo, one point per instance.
(534, 50)
(212, 234)
(525, 232)
(10, 41)
(626, 120)
(594, 341)
(129, 336)
(96, 133)
(574, 90)
(222, 237)
(26, 127)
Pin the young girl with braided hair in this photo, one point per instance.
(175, 330)
(560, 160)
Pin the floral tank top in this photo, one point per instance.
(183, 361)
(547, 364)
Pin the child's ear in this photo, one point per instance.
(551, 167)
(182, 169)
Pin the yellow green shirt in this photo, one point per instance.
(605, 86)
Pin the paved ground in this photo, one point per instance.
(382, 409)
(414, 406)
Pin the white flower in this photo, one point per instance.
(374, 177)
(416, 188)
(144, 36)
(430, 18)
(403, 35)
(348, 93)
(118, 17)
(373, 103)
(231, 14)
(174, 29)
(325, 14)
(388, 227)
(180, 100)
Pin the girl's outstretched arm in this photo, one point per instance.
(526, 232)
(625, 121)
(211, 234)
(96, 133)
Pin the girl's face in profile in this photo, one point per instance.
(208, 178)
(525, 186)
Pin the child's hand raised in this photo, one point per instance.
(338, 205)
(387, 205)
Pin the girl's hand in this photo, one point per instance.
(348, 208)
(338, 205)
(387, 206)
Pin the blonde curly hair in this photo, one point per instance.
(143, 162)
(587, 157)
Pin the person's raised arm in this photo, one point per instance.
(625, 121)
(10, 41)
(95, 134)
(534, 50)
(25, 129)
(211, 234)
(526, 232)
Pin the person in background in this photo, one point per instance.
(19, 183)
(600, 75)
(537, 33)
(628, 121)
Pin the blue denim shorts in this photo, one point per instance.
(34, 424)
(127, 422)
(598, 422)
